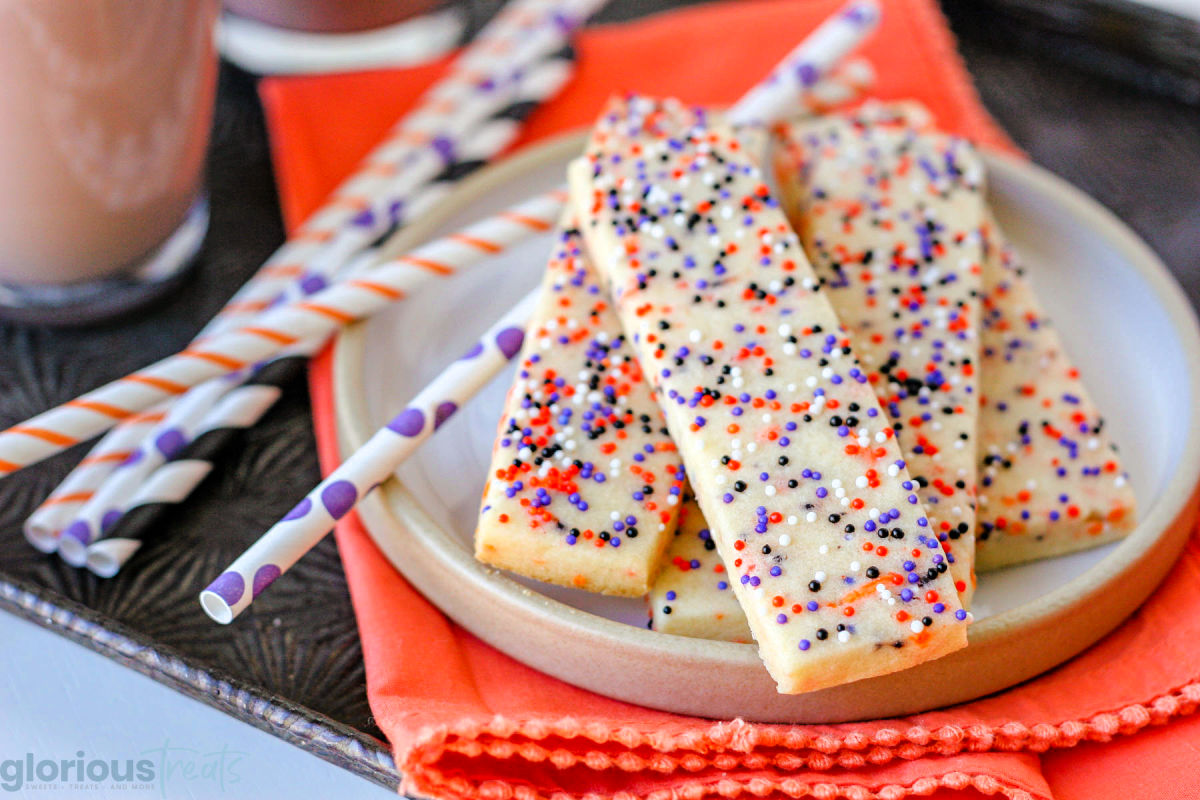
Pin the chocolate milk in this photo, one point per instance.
(105, 107)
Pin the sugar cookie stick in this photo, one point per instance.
(1051, 481)
(891, 218)
(585, 483)
(792, 460)
(692, 595)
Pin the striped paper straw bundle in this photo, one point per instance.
(101, 515)
(278, 329)
(43, 526)
(334, 497)
(308, 261)
(174, 481)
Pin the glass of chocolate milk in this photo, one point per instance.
(105, 108)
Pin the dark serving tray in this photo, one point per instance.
(292, 665)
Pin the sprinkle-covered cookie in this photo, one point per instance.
(793, 462)
(1050, 478)
(891, 216)
(692, 595)
(585, 483)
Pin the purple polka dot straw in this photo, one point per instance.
(810, 62)
(336, 496)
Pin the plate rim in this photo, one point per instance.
(1152, 547)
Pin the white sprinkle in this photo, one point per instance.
(769, 491)
(855, 567)
(916, 626)
(784, 540)
(861, 481)
(791, 520)
(810, 517)
(810, 381)
(820, 575)
(695, 336)
(843, 636)
(823, 549)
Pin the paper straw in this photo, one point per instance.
(169, 435)
(334, 497)
(316, 317)
(847, 83)
(97, 518)
(807, 63)
(43, 526)
(538, 82)
(335, 306)
(174, 481)
(289, 267)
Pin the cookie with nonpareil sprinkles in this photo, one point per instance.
(692, 595)
(891, 216)
(1050, 478)
(585, 483)
(793, 462)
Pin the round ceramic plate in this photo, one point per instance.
(1124, 320)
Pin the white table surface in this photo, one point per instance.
(57, 698)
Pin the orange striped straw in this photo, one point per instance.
(314, 318)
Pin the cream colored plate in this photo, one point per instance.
(1124, 319)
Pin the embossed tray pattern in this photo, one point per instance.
(292, 665)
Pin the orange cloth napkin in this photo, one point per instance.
(469, 722)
